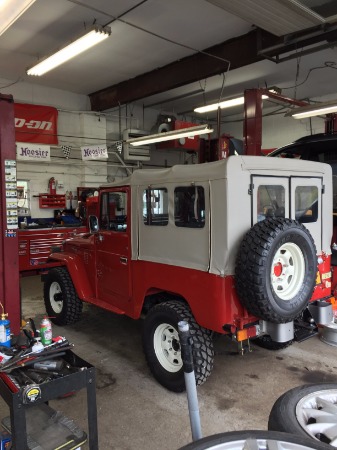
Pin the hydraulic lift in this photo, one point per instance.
(9, 256)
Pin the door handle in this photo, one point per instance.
(100, 237)
(123, 260)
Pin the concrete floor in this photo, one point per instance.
(134, 411)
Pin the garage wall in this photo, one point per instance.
(77, 126)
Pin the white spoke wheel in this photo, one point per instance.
(60, 298)
(161, 345)
(276, 268)
(56, 297)
(166, 345)
(287, 271)
(309, 411)
(255, 440)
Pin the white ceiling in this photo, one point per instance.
(132, 50)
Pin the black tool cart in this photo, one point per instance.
(36, 426)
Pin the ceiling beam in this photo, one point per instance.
(240, 51)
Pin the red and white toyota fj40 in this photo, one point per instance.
(238, 247)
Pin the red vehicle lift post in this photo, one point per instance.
(9, 257)
(252, 127)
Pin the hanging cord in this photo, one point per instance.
(327, 64)
(166, 39)
(298, 65)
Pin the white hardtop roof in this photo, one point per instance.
(219, 170)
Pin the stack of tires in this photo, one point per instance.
(303, 418)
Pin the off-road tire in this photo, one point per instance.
(266, 342)
(257, 254)
(69, 308)
(257, 440)
(308, 411)
(170, 313)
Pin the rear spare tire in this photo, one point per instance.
(276, 269)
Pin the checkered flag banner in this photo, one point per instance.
(66, 151)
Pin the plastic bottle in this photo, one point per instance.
(5, 331)
(46, 332)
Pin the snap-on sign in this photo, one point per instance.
(35, 123)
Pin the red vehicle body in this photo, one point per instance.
(174, 245)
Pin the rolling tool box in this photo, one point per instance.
(36, 426)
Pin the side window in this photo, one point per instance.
(270, 201)
(306, 204)
(189, 207)
(155, 207)
(113, 211)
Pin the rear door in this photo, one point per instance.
(306, 205)
(270, 197)
(293, 197)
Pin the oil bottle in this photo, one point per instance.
(46, 333)
(5, 331)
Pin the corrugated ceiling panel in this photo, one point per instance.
(276, 16)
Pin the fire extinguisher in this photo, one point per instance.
(52, 186)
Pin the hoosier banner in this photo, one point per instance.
(94, 152)
(32, 152)
(35, 123)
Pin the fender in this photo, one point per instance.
(77, 273)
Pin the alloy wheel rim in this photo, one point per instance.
(317, 415)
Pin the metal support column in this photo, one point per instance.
(253, 121)
(9, 255)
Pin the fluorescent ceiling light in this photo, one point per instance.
(11, 10)
(225, 104)
(91, 38)
(169, 135)
(313, 110)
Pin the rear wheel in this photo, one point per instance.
(161, 345)
(62, 303)
(276, 270)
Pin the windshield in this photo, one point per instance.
(320, 151)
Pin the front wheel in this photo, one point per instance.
(61, 301)
(161, 345)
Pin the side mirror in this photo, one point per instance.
(93, 224)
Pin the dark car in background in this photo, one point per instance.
(316, 147)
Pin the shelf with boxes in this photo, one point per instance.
(53, 201)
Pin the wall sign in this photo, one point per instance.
(90, 152)
(35, 123)
(11, 197)
(32, 152)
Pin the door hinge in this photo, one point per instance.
(250, 189)
(323, 188)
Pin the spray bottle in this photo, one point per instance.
(5, 332)
(46, 333)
